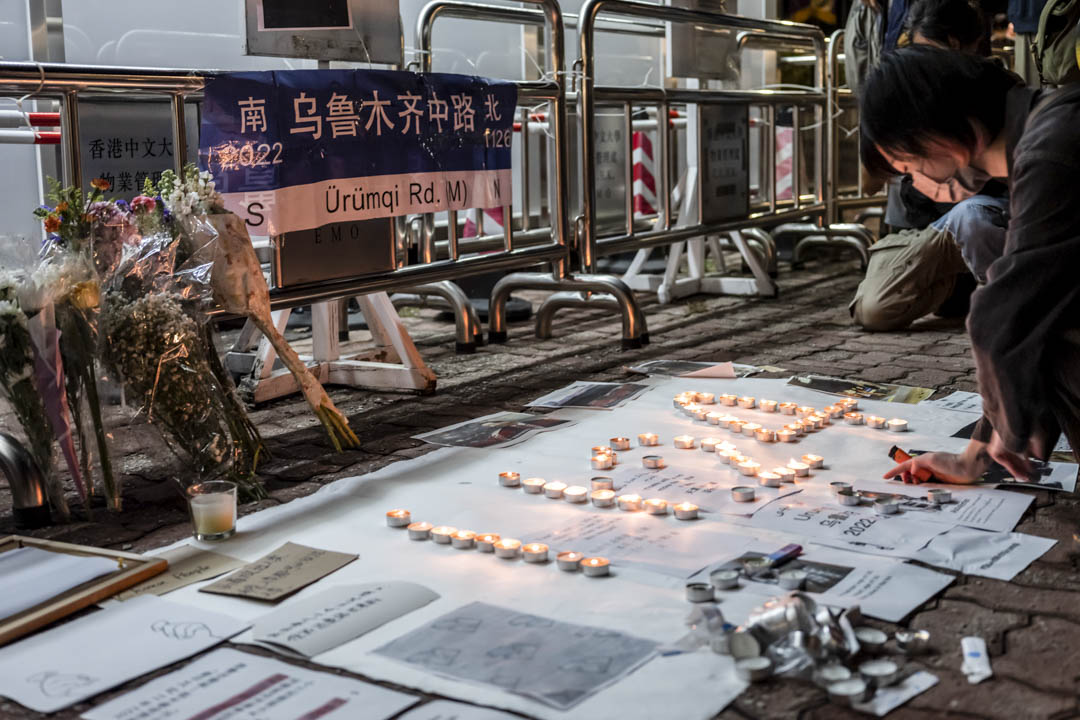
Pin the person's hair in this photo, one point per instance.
(918, 96)
(943, 20)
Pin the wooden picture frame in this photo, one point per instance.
(132, 569)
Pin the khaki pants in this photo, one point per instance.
(910, 274)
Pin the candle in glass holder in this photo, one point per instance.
(575, 494)
(648, 439)
(785, 474)
(652, 462)
(630, 503)
(765, 435)
(896, 425)
(419, 530)
(510, 479)
(853, 418)
(749, 468)
(486, 543)
(747, 402)
(534, 486)
(728, 399)
(602, 483)
(602, 462)
(800, 469)
(508, 548)
(875, 421)
(750, 428)
(463, 539)
(212, 506)
(788, 408)
(534, 552)
(602, 498)
(620, 443)
(442, 534)
(569, 560)
(768, 479)
(656, 506)
(398, 518)
(683, 442)
(814, 461)
(554, 490)
(685, 511)
(595, 566)
(786, 435)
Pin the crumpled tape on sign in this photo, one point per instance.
(976, 663)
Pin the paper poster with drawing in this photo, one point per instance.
(862, 389)
(591, 395)
(550, 661)
(493, 431)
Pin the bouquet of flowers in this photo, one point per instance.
(238, 282)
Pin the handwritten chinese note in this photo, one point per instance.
(187, 565)
(280, 573)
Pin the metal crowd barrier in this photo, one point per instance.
(551, 89)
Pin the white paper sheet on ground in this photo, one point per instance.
(882, 588)
(493, 431)
(687, 368)
(977, 552)
(187, 564)
(849, 528)
(556, 662)
(241, 686)
(959, 401)
(591, 395)
(30, 576)
(887, 699)
(338, 614)
(59, 667)
(709, 488)
(450, 710)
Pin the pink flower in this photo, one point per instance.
(142, 202)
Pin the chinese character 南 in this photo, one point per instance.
(438, 111)
(491, 108)
(411, 113)
(309, 122)
(463, 112)
(378, 113)
(342, 115)
(253, 115)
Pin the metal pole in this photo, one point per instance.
(179, 119)
(70, 133)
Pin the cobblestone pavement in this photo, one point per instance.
(1031, 625)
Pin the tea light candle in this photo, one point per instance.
(701, 413)
(602, 483)
(652, 462)
(800, 469)
(510, 479)
(726, 420)
(875, 421)
(853, 418)
(534, 486)
(683, 442)
(797, 427)
(705, 398)
(870, 638)
(896, 425)
(602, 462)
(685, 511)
(713, 418)
(727, 399)
(839, 486)
(569, 561)
(881, 672)
(736, 426)
(630, 503)
(834, 411)
(699, 592)
(849, 402)
(749, 468)
(534, 552)
(398, 518)
(724, 579)
(886, 506)
(939, 495)
(815, 422)
(792, 579)
(486, 543)
(739, 458)
(814, 461)
(620, 443)
(824, 417)
(765, 435)
(463, 539)
(747, 402)
(648, 439)
(847, 497)
(709, 444)
(601, 450)
(768, 479)
(750, 428)
(768, 406)
(595, 566)
(602, 498)
(725, 456)
(575, 494)
(788, 436)
(656, 506)
(805, 410)
(508, 548)
(554, 490)
(442, 534)
(788, 408)
(786, 474)
(742, 493)
(419, 530)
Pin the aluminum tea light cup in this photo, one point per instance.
(534, 552)
(569, 560)
(724, 579)
(699, 592)
(463, 540)
(656, 506)
(875, 422)
(742, 493)
(850, 692)
(602, 482)
(508, 548)
(443, 534)
(870, 638)
(652, 462)
(620, 443)
(575, 494)
(596, 566)
(510, 479)
(419, 530)
(685, 511)
(754, 669)
(533, 486)
(629, 503)
(485, 542)
(398, 518)
(554, 490)
(602, 498)
(886, 506)
(792, 579)
(684, 442)
(648, 439)
(879, 672)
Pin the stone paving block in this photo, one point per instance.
(1049, 644)
(928, 377)
(999, 698)
(952, 619)
(883, 373)
(1012, 598)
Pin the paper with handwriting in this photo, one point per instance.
(280, 573)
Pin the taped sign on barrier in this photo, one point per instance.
(301, 149)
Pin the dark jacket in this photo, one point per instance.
(1024, 15)
(1023, 322)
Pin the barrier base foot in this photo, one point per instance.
(465, 348)
(644, 338)
(497, 336)
(632, 343)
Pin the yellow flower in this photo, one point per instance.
(61, 207)
(85, 295)
(100, 184)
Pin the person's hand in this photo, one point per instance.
(1018, 465)
(963, 469)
